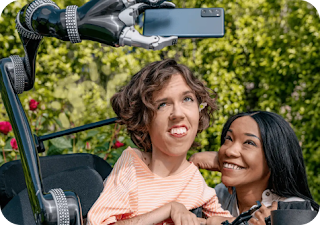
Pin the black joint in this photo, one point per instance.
(39, 144)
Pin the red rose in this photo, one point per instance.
(33, 104)
(118, 144)
(14, 144)
(5, 127)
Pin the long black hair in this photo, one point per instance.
(283, 154)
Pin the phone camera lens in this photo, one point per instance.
(204, 11)
(210, 11)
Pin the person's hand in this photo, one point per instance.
(202, 221)
(260, 215)
(180, 215)
(206, 160)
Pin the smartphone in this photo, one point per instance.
(184, 23)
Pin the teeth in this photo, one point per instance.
(232, 166)
(180, 130)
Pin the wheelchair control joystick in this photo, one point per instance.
(244, 217)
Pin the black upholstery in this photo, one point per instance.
(12, 180)
(293, 213)
(84, 181)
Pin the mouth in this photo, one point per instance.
(232, 166)
(178, 131)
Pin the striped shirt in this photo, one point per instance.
(132, 189)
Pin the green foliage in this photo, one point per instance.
(268, 60)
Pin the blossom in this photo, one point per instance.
(33, 104)
(14, 144)
(88, 146)
(5, 127)
(118, 144)
(202, 106)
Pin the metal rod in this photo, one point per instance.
(77, 129)
(26, 144)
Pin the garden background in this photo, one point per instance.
(269, 60)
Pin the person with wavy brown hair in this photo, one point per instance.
(164, 107)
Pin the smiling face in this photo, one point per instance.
(175, 124)
(241, 157)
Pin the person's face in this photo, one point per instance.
(241, 157)
(175, 124)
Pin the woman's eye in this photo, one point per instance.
(161, 105)
(249, 142)
(227, 138)
(188, 99)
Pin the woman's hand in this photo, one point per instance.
(180, 215)
(206, 160)
(260, 215)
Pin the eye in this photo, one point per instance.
(161, 105)
(188, 99)
(227, 138)
(249, 142)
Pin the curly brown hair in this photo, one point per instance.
(133, 104)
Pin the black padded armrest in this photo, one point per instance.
(293, 213)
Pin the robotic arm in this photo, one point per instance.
(105, 21)
(109, 22)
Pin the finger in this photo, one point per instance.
(143, 7)
(131, 37)
(165, 5)
(274, 206)
(253, 221)
(264, 210)
(151, 2)
(259, 216)
(194, 159)
(185, 220)
(177, 221)
(191, 158)
(194, 220)
(202, 221)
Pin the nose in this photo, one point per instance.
(233, 151)
(177, 112)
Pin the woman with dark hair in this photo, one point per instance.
(163, 107)
(260, 159)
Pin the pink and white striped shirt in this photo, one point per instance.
(132, 189)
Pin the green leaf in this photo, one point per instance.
(56, 105)
(53, 150)
(61, 143)
(91, 134)
(99, 149)
(64, 120)
(106, 145)
(58, 122)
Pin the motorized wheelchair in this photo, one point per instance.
(31, 189)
